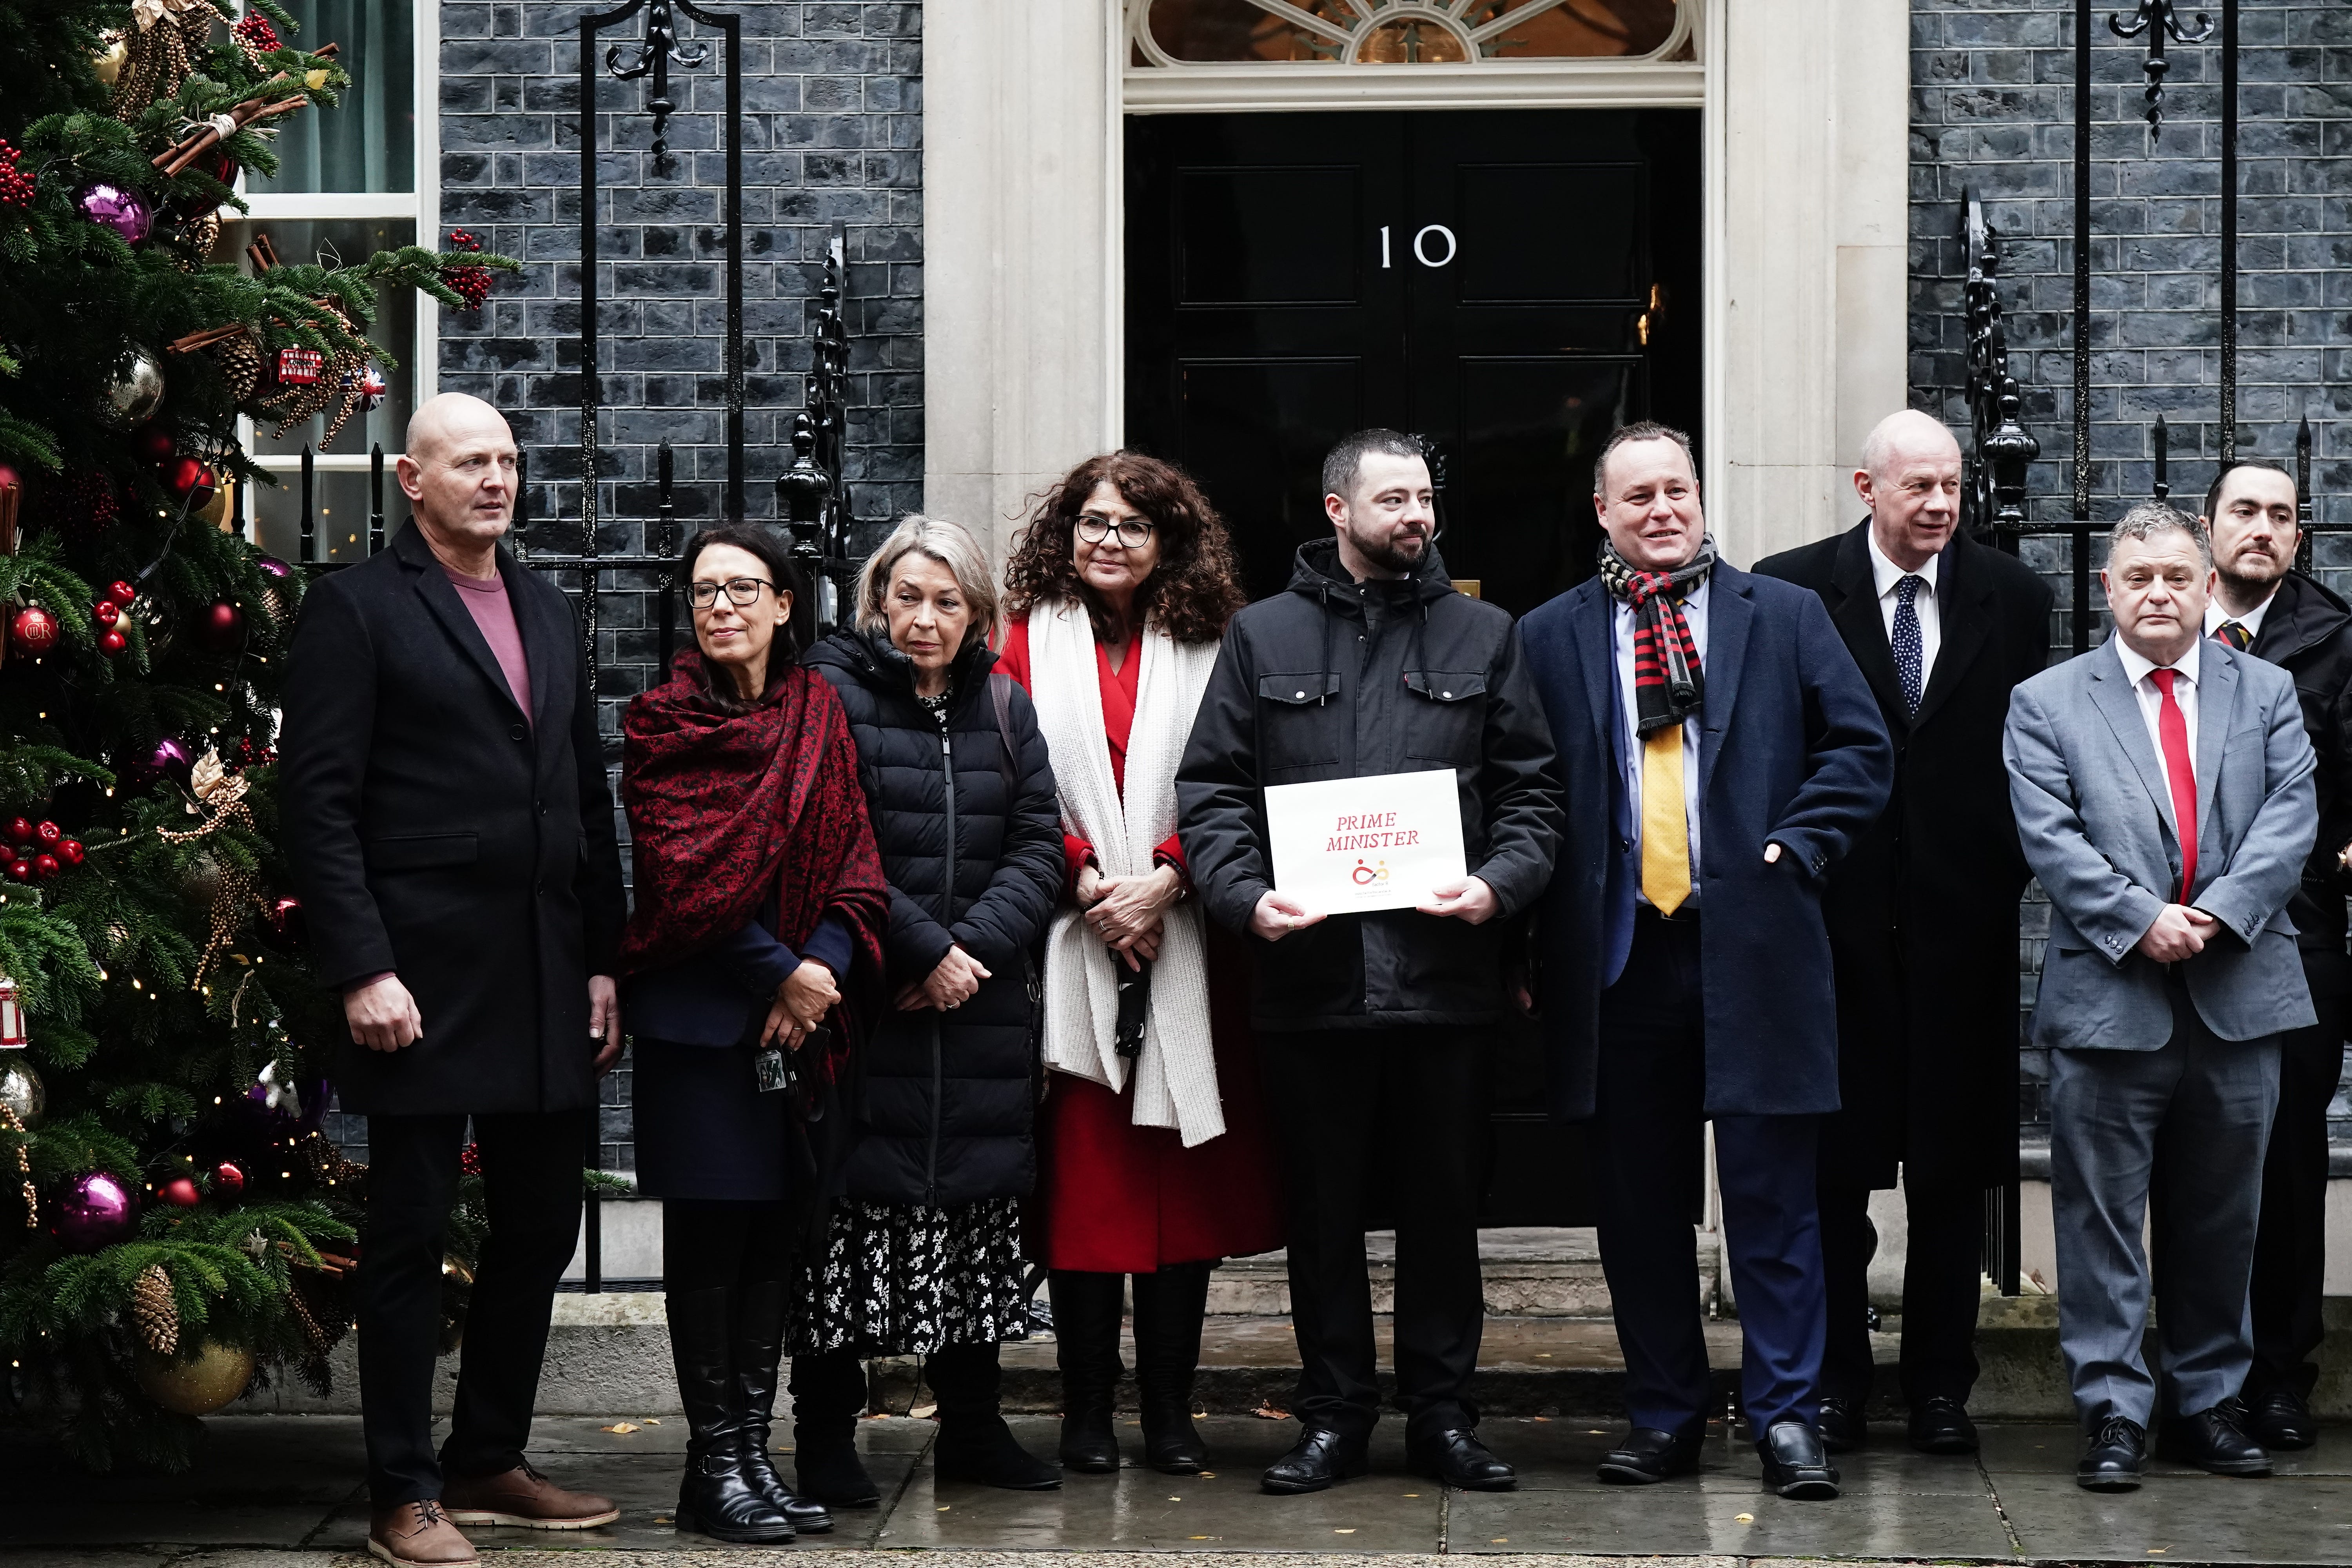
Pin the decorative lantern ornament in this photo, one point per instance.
(299, 367)
(12, 1017)
(132, 398)
(94, 1211)
(33, 631)
(207, 1380)
(124, 211)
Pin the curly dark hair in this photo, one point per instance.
(1191, 594)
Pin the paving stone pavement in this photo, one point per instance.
(285, 1491)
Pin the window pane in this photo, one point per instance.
(1575, 28)
(1410, 43)
(367, 142)
(1237, 30)
(351, 240)
(339, 512)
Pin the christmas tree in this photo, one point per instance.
(171, 1223)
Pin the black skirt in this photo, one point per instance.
(704, 1130)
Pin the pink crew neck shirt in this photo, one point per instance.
(486, 600)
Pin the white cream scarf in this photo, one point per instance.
(1176, 1075)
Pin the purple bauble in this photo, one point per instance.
(124, 211)
(94, 1211)
(273, 567)
(289, 1107)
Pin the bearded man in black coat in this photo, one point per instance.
(446, 812)
(1923, 922)
(2261, 605)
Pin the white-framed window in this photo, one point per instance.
(1175, 34)
(354, 179)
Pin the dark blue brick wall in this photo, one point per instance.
(1992, 110)
(832, 134)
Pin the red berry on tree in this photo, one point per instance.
(45, 866)
(113, 642)
(122, 591)
(20, 870)
(49, 834)
(21, 830)
(70, 851)
(105, 612)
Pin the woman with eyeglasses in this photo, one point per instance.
(923, 1255)
(754, 956)
(1156, 1160)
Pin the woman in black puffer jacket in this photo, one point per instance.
(923, 1252)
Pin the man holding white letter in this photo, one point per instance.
(1369, 793)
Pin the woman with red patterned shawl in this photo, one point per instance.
(1154, 1157)
(759, 908)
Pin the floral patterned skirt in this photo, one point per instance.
(904, 1279)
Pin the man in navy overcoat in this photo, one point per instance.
(1685, 965)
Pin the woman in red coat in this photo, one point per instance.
(1153, 1154)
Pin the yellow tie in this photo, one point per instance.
(1665, 831)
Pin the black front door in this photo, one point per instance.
(1516, 284)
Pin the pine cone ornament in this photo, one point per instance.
(239, 362)
(154, 1310)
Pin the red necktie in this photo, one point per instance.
(2172, 726)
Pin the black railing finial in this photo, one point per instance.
(654, 55)
(2160, 19)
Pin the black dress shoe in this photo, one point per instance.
(1795, 1464)
(2113, 1457)
(2283, 1422)
(1941, 1426)
(1321, 1457)
(1842, 1427)
(1648, 1456)
(1456, 1458)
(2214, 1440)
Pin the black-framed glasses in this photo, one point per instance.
(742, 592)
(1133, 532)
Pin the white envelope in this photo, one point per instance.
(1382, 842)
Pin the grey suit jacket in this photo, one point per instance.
(2095, 816)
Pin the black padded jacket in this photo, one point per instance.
(970, 831)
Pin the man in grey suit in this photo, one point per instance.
(2164, 796)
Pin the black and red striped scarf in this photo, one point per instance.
(1668, 685)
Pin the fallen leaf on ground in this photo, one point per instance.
(1743, 1519)
(622, 1428)
(1271, 1411)
(924, 1411)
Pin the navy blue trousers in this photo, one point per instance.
(1647, 1149)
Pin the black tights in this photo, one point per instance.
(710, 1244)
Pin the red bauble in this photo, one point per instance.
(113, 642)
(227, 1179)
(20, 831)
(70, 851)
(45, 866)
(105, 612)
(33, 631)
(154, 443)
(180, 1193)
(286, 917)
(223, 628)
(121, 592)
(188, 478)
(49, 834)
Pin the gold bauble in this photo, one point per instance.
(108, 62)
(204, 881)
(20, 1088)
(199, 1385)
(215, 512)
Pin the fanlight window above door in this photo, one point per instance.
(1404, 32)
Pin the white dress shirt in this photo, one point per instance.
(1694, 612)
(1886, 576)
(2151, 699)
(2252, 620)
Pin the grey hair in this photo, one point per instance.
(1625, 435)
(949, 543)
(2150, 517)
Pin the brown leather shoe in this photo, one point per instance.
(418, 1535)
(523, 1497)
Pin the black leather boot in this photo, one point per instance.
(1168, 1307)
(828, 1397)
(974, 1444)
(1086, 1309)
(717, 1497)
(758, 1352)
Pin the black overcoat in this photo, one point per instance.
(2308, 632)
(1923, 912)
(438, 834)
(971, 836)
